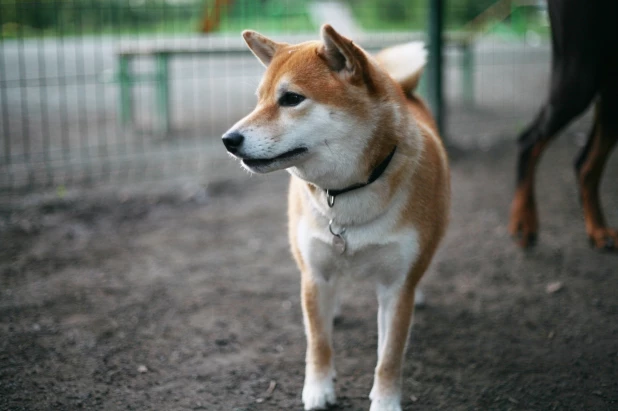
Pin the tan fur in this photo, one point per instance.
(426, 210)
(417, 178)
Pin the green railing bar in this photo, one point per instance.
(163, 93)
(125, 78)
(467, 71)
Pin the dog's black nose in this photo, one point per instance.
(233, 141)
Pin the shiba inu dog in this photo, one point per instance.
(369, 193)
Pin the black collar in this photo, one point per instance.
(377, 172)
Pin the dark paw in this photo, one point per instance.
(523, 224)
(524, 235)
(604, 239)
(526, 239)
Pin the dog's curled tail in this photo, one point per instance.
(405, 63)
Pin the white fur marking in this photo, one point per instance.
(318, 394)
(403, 61)
(392, 403)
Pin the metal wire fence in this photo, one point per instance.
(95, 91)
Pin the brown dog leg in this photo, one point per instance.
(574, 83)
(532, 142)
(589, 169)
(523, 224)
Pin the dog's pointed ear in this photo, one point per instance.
(341, 54)
(262, 47)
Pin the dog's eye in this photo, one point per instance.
(290, 99)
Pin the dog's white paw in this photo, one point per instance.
(386, 404)
(319, 394)
(381, 402)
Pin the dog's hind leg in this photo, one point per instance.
(523, 223)
(574, 83)
(318, 302)
(589, 169)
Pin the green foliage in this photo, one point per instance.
(266, 8)
(267, 15)
(412, 14)
(390, 14)
(74, 17)
(78, 17)
(459, 12)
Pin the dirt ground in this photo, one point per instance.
(188, 299)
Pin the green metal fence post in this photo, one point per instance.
(126, 82)
(162, 93)
(467, 70)
(434, 74)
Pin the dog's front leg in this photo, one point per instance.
(396, 305)
(318, 301)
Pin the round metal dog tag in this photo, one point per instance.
(339, 243)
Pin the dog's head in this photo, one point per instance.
(316, 109)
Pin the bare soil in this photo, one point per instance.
(176, 301)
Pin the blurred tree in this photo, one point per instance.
(394, 10)
(460, 12)
(383, 13)
(40, 14)
(59, 17)
(82, 16)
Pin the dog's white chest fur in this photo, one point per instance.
(375, 249)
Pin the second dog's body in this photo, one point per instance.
(584, 68)
(369, 193)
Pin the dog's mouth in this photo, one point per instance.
(262, 164)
